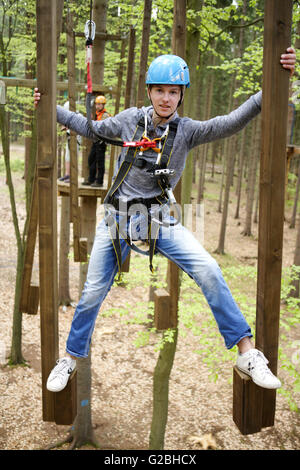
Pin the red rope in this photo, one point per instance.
(89, 80)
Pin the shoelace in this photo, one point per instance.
(62, 363)
(259, 361)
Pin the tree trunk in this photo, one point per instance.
(82, 430)
(161, 394)
(224, 153)
(16, 356)
(144, 53)
(232, 150)
(240, 174)
(229, 173)
(28, 113)
(16, 345)
(255, 218)
(64, 297)
(295, 291)
(130, 67)
(252, 177)
(99, 16)
(191, 102)
(294, 214)
(206, 146)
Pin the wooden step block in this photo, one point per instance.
(65, 402)
(83, 249)
(162, 310)
(33, 299)
(126, 265)
(247, 403)
(80, 250)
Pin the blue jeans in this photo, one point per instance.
(180, 246)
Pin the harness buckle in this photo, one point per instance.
(164, 172)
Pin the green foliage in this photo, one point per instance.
(16, 166)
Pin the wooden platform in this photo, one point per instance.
(83, 190)
(293, 150)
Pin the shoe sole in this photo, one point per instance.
(255, 381)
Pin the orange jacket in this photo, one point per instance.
(99, 115)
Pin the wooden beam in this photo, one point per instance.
(83, 191)
(277, 37)
(47, 193)
(104, 36)
(60, 86)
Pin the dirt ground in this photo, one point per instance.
(122, 373)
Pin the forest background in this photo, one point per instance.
(224, 52)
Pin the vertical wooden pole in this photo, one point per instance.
(277, 37)
(178, 48)
(47, 192)
(169, 303)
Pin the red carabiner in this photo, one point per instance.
(144, 144)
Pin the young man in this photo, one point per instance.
(167, 79)
(96, 158)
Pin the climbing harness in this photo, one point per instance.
(163, 146)
(152, 208)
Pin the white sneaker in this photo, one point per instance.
(254, 364)
(59, 376)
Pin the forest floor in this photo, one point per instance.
(122, 372)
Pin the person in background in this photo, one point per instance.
(96, 158)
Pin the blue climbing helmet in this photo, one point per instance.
(168, 70)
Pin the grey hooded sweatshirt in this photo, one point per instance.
(190, 133)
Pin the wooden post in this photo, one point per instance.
(79, 244)
(162, 320)
(277, 37)
(47, 215)
(47, 193)
(168, 299)
(178, 48)
(61, 86)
